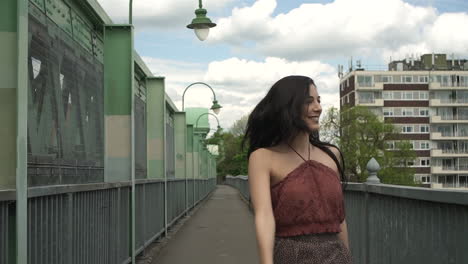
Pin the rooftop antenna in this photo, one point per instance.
(433, 59)
(340, 71)
(358, 63)
(453, 60)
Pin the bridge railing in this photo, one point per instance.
(392, 224)
(90, 223)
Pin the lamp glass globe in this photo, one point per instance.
(202, 33)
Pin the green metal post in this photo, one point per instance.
(119, 113)
(180, 144)
(9, 89)
(189, 156)
(180, 141)
(21, 140)
(156, 112)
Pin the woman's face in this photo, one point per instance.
(312, 109)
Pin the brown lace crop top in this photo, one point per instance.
(308, 200)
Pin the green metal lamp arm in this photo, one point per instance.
(196, 123)
(183, 95)
(130, 19)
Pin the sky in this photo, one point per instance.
(257, 42)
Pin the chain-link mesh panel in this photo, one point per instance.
(140, 130)
(65, 108)
(170, 148)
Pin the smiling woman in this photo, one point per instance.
(294, 179)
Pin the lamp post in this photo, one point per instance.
(196, 123)
(215, 107)
(201, 23)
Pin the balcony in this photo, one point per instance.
(449, 119)
(449, 169)
(448, 153)
(449, 136)
(448, 102)
(447, 86)
(370, 102)
(369, 86)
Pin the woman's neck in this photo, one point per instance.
(301, 142)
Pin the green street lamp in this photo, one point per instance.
(201, 23)
(216, 107)
(198, 119)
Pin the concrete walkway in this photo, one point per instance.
(221, 231)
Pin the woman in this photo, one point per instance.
(294, 179)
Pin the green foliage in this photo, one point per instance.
(330, 126)
(363, 137)
(232, 159)
(395, 170)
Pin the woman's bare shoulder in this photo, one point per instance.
(335, 151)
(267, 153)
(261, 154)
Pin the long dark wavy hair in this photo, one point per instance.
(279, 118)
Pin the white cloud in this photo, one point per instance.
(160, 13)
(343, 28)
(239, 84)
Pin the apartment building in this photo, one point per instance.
(427, 100)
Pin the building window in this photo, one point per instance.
(423, 79)
(365, 81)
(388, 112)
(386, 79)
(347, 98)
(407, 79)
(390, 145)
(396, 95)
(424, 129)
(408, 96)
(424, 112)
(423, 95)
(407, 112)
(387, 95)
(426, 179)
(424, 145)
(425, 162)
(407, 129)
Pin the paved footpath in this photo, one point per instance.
(221, 231)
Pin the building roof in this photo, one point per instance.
(193, 113)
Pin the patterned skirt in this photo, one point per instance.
(311, 249)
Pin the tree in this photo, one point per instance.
(232, 159)
(330, 126)
(363, 137)
(238, 128)
(395, 169)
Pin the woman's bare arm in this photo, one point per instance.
(343, 235)
(259, 186)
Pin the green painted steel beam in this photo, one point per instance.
(180, 144)
(119, 113)
(155, 110)
(8, 92)
(118, 100)
(21, 139)
(156, 116)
